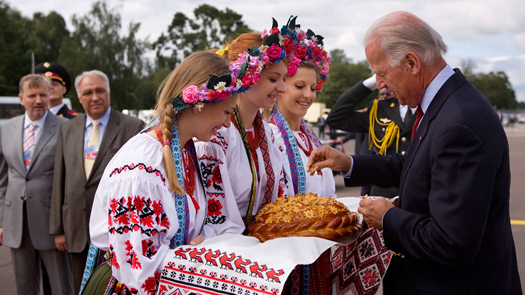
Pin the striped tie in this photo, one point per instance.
(29, 144)
(92, 148)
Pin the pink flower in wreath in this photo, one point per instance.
(256, 77)
(246, 80)
(190, 94)
(324, 69)
(274, 52)
(222, 95)
(292, 68)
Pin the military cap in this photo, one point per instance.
(54, 71)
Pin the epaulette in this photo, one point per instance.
(71, 112)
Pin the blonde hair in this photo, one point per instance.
(194, 70)
(33, 81)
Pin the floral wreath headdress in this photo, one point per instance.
(247, 68)
(216, 89)
(291, 42)
(305, 46)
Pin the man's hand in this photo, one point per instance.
(1, 235)
(374, 210)
(60, 242)
(198, 239)
(328, 157)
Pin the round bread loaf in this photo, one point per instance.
(304, 216)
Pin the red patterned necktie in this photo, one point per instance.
(419, 114)
(29, 144)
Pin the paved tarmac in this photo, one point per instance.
(516, 138)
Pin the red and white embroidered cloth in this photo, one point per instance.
(359, 268)
(236, 264)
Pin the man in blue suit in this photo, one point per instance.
(451, 228)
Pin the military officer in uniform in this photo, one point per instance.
(387, 123)
(60, 86)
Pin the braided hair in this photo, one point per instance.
(194, 70)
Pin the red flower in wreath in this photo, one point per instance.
(274, 30)
(319, 85)
(300, 52)
(288, 46)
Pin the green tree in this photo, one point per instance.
(15, 51)
(343, 74)
(20, 37)
(48, 33)
(211, 28)
(98, 42)
(147, 89)
(494, 85)
(497, 88)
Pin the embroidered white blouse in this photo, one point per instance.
(323, 185)
(239, 172)
(134, 215)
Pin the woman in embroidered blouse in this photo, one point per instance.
(299, 140)
(151, 189)
(257, 167)
(307, 71)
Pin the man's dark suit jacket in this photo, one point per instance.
(453, 223)
(72, 193)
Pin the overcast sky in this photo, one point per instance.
(489, 32)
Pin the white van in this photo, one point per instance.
(10, 107)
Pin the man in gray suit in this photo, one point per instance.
(84, 147)
(27, 151)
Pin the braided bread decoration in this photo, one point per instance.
(304, 216)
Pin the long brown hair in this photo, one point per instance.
(194, 70)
